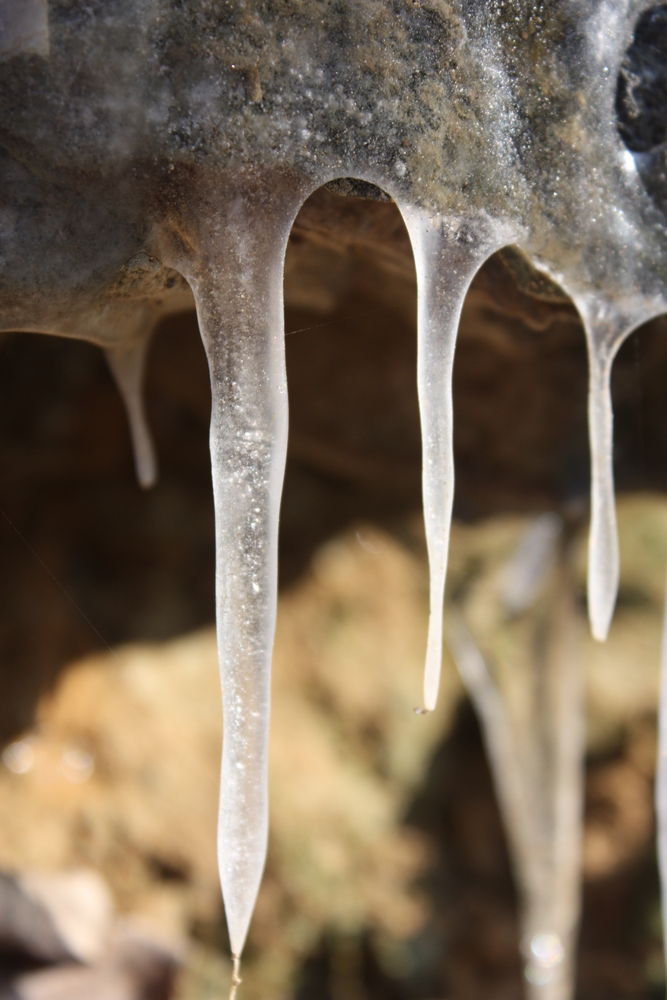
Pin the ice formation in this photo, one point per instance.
(236, 274)
(127, 367)
(142, 141)
(448, 254)
(24, 28)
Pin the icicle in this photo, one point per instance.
(447, 256)
(661, 779)
(606, 326)
(603, 557)
(127, 367)
(248, 449)
(533, 561)
(236, 274)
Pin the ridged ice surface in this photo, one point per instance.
(144, 140)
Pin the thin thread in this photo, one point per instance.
(58, 583)
(342, 319)
(236, 977)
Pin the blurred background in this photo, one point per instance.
(388, 874)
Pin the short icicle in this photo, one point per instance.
(661, 778)
(446, 259)
(236, 274)
(127, 363)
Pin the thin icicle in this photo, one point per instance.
(127, 367)
(446, 260)
(237, 278)
(661, 779)
(603, 556)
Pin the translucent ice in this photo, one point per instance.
(532, 563)
(447, 253)
(180, 134)
(661, 777)
(24, 28)
(527, 689)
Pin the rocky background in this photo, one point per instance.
(388, 874)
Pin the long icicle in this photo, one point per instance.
(603, 554)
(238, 285)
(446, 263)
(127, 367)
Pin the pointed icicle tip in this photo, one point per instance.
(238, 289)
(127, 367)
